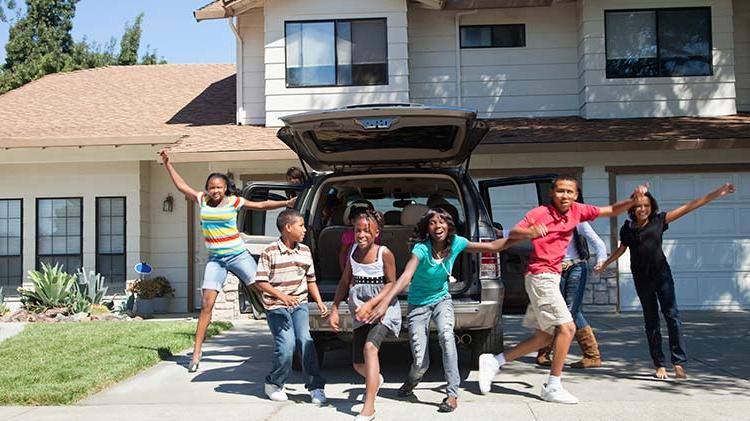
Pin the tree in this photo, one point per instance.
(40, 43)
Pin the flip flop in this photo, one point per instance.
(445, 406)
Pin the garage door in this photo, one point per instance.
(708, 249)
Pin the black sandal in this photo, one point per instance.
(445, 406)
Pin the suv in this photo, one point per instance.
(401, 159)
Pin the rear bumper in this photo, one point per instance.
(469, 314)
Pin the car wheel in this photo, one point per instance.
(486, 341)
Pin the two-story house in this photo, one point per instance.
(618, 92)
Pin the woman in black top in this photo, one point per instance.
(652, 276)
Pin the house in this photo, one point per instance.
(617, 92)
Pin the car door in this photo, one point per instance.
(507, 201)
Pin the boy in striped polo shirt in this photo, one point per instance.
(285, 276)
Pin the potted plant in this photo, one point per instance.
(145, 291)
(164, 291)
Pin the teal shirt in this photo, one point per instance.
(430, 281)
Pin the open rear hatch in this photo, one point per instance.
(363, 137)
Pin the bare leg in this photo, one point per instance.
(359, 368)
(207, 306)
(564, 336)
(372, 378)
(538, 340)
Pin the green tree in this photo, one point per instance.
(41, 43)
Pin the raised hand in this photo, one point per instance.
(724, 190)
(640, 191)
(164, 156)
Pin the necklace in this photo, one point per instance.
(436, 255)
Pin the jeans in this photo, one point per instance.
(418, 319)
(654, 291)
(290, 327)
(572, 287)
(241, 264)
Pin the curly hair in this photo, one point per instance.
(422, 231)
(370, 216)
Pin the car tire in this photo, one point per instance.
(486, 341)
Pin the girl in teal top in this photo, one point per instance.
(429, 272)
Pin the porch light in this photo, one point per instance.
(167, 204)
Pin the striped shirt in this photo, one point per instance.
(287, 270)
(220, 226)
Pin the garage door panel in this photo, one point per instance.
(708, 249)
(677, 188)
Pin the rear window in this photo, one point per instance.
(435, 137)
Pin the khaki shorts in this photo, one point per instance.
(547, 308)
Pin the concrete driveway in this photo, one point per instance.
(229, 384)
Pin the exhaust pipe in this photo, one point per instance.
(463, 339)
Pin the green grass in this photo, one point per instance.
(58, 364)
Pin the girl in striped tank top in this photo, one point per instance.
(226, 250)
(369, 274)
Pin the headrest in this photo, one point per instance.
(412, 213)
(337, 215)
(392, 217)
(364, 204)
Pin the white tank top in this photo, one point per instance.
(367, 273)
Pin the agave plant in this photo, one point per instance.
(53, 287)
(91, 285)
(3, 308)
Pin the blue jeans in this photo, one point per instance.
(418, 319)
(654, 291)
(241, 264)
(290, 327)
(572, 287)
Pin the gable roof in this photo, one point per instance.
(191, 104)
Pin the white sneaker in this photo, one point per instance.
(361, 397)
(275, 393)
(361, 417)
(557, 394)
(318, 396)
(488, 369)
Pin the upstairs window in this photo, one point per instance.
(493, 36)
(658, 43)
(336, 53)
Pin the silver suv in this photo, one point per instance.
(401, 159)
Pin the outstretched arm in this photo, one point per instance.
(696, 203)
(269, 204)
(181, 185)
(599, 268)
(491, 246)
(623, 205)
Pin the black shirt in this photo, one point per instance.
(646, 254)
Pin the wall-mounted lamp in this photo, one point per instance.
(167, 204)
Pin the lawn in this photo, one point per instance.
(58, 364)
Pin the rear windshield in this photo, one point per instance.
(435, 137)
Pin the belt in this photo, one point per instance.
(368, 280)
(567, 264)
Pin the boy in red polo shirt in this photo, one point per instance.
(550, 228)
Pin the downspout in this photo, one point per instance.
(459, 96)
(240, 115)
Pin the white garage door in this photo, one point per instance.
(708, 249)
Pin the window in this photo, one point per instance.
(59, 232)
(656, 43)
(110, 241)
(336, 53)
(262, 222)
(493, 36)
(11, 264)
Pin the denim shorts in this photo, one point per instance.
(241, 264)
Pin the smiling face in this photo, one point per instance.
(365, 232)
(216, 189)
(296, 230)
(437, 227)
(564, 193)
(642, 210)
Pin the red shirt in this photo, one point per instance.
(548, 252)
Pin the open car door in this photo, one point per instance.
(507, 200)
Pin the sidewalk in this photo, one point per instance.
(230, 382)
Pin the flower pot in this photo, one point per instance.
(144, 307)
(161, 304)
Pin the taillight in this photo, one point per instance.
(489, 263)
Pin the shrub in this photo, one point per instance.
(53, 288)
(164, 287)
(145, 288)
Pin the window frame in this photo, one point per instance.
(37, 263)
(656, 11)
(491, 26)
(20, 250)
(335, 53)
(124, 237)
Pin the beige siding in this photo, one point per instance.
(742, 52)
(654, 97)
(252, 110)
(537, 80)
(281, 100)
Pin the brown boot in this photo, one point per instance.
(591, 355)
(543, 356)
